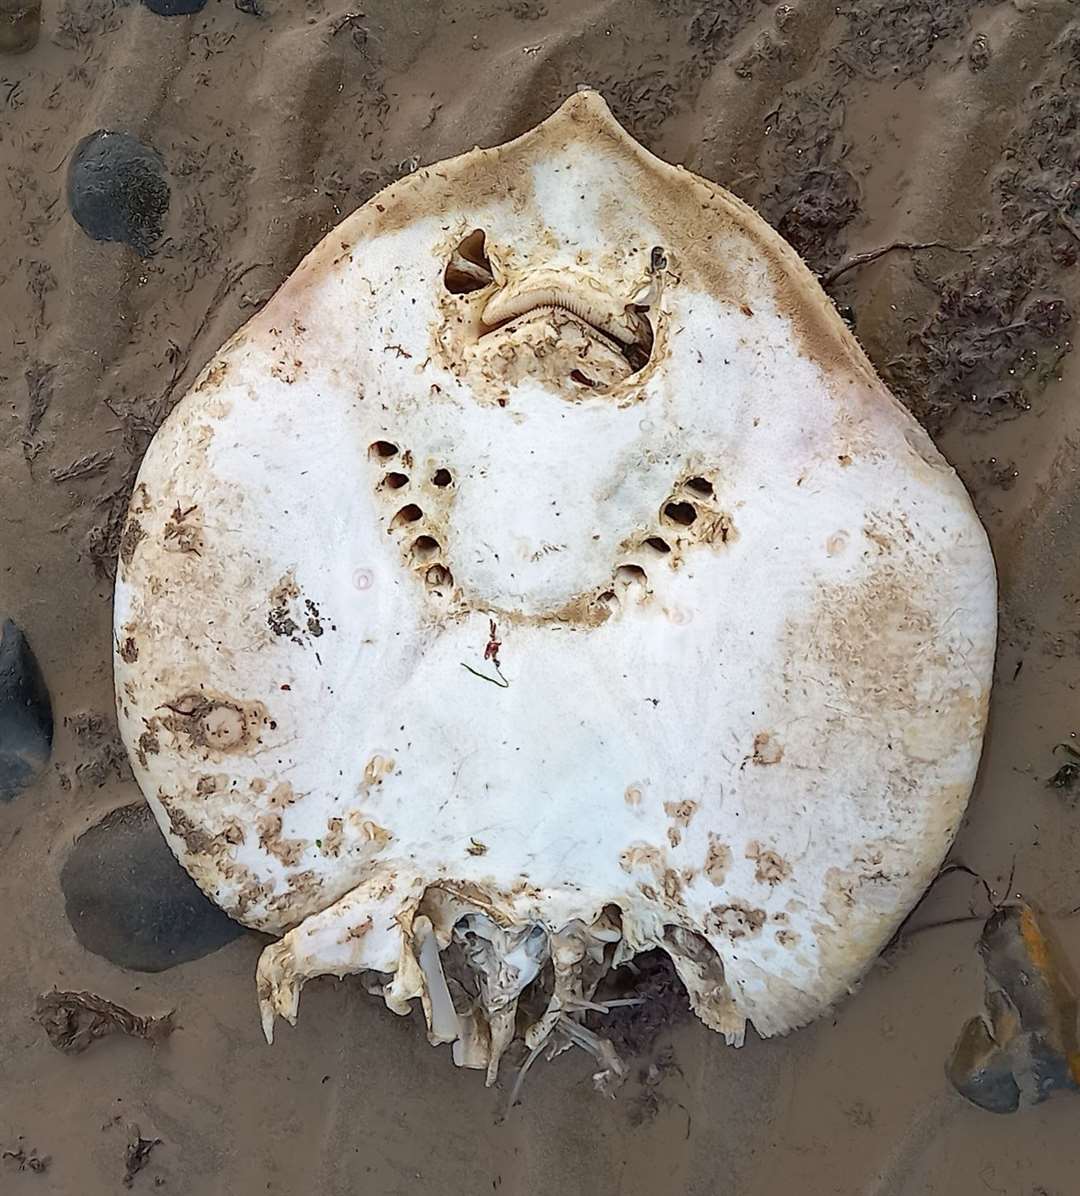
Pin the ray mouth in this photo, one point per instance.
(628, 333)
(622, 327)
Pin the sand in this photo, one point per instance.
(850, 124)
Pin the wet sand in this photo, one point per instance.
(849, 125)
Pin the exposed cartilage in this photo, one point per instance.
(702, 972)
(379, 928)
(579, 962)
(612, 1068)
(504, 962)
(502, 1022)
(473, 1048)
(359, 932)
(443, 1022)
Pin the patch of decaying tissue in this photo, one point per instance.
(132, 536)
(717, 860)
(656, 878)
(767, 749)
(770, 868)
(734, 920)
(867, 640)
(183, 531)
(272, 840)
(211, 844)
(147, 745)
(291, 615)
(680, 813)
(211, 723)
(376, 770)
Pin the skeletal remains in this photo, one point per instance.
(544, 576)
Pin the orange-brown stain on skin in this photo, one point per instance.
(375, 770)
(282, 795)
(183, 530)
(355, 933)
(770, 868)
(672, 885)
(148, 745)
(280, 603)
(214, 374)
(767, 749)
(272, 841)
(878, 537)
(681, 811)
(253, 892)
(641, 855)
(198, 841)
(735, 920)
(140, 499)
(301, 897)
(233, 832)
(331, 843)
(213, 722)
(130, 540)
(717, 860)
(371, 830)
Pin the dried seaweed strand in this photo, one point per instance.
(73, 1020)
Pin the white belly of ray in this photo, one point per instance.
(428, 650)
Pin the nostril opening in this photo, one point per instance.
(682, 513)
(408, 514)
(468, 268)
(471, 248)
(659, 545)
(425, 547)
(701, 486)
(394, 481)
(441, 477)
(608, 603)
(631, 575)
(383, 450)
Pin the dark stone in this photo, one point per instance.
(1022, 1049)
(175, 8)
(981, 1071)
(118, 190)
(26, 723)
(20, 24)
(128, 899)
